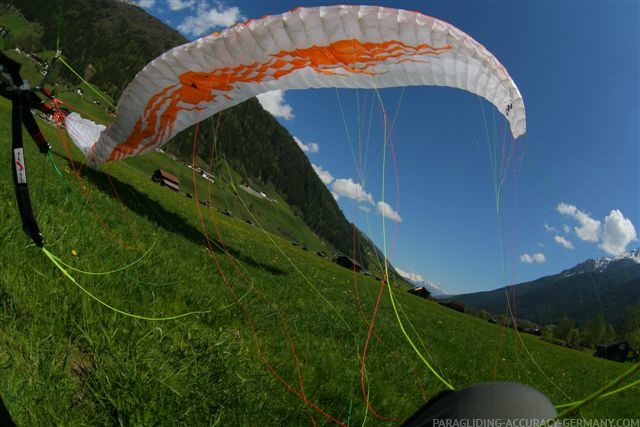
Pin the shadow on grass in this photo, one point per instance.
(153, 211)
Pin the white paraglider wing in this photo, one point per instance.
(333, 46)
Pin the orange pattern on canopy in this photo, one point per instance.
(340, 58)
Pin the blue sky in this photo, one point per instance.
(572, 190)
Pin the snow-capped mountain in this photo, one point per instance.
(418, 281)
(623, 261)
(596, 287)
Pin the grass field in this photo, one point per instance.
(272, 317)
(18, 28)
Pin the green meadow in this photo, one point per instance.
(275, 335)
(19, 29)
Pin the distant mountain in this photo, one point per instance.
(624, 262)
(418, 281)
(604, 286)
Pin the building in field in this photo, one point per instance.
(617, 350)
(348, 262)
(421, 292)
(166, 179)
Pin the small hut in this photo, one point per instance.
(422, 292)
(618, 351)
(347, 262)
(165, 178)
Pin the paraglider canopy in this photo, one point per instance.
(333, 46)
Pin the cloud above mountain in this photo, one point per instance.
(613, 237)
(562, 241)
(273, 101)
(537, 258)
(351, 190)
(206, 17)
(618, 232)
(310, 147)
(589, 228)
(324, 175)
(387, 211)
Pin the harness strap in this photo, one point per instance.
(22, 100)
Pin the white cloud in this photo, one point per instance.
(613, 237)
(364, 208)
(207, 18)
(351, 190)
(273, 102)
(563, 242)
(324, 175)
(146, 4)
(311, 147)
(589, 229)
(335, 196)
(548, 227)
(530, 259)
(387, 211)
(566, 229)
(618, 233)
(176, 5)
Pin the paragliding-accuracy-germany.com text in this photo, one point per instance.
(567, 422)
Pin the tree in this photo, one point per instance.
(631, 325)
(593, 332)
(631, 320)
(633, 338)
(573, 338)
(562, 329)
(503, 320)
(610, 333)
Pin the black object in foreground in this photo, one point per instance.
(22, 98)
(5, 416)
(496, 403)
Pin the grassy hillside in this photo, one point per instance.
(226, 193)
(18, 28)
(265, 154)
(268, 310)
(91, 104)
